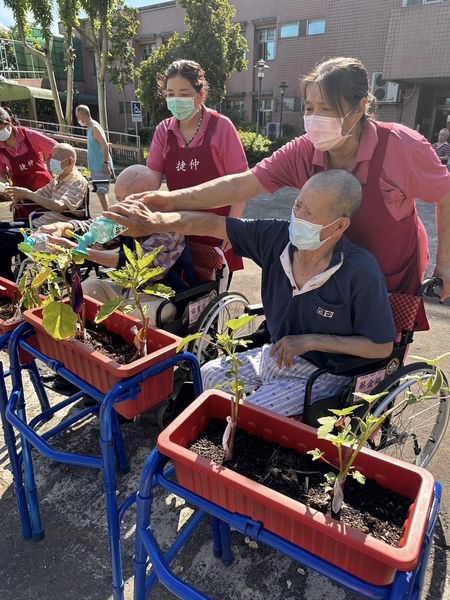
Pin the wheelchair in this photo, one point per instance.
(414, 432)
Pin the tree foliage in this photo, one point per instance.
(211, 39)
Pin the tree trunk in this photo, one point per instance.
(125, 110)
(102, 63)
(70, 61)
(47, 58)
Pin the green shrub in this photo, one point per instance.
(256, 146)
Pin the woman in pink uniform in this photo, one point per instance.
(23, 156)
(197, 144)
(394, 164)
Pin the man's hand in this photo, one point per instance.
(290, 346)
(17, 193)
(55, 229)
(107, 170)
(135, 216)
(158, 200)
(62, 242)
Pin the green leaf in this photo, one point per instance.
(330, 478)
(239, 322)
(41, 277)
(161, 290)
(315, 454)
(108, 308)
(431, 361)
(358, 476)
(370, 398)
(59, 320)
(326, 427)
(435, 384)
(343, 412)
(187, 340)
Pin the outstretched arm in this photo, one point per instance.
(141, 222)
(224, 191)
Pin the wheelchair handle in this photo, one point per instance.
(430, 287)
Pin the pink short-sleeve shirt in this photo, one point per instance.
(40, 142)
(226, 147)
(410, 170)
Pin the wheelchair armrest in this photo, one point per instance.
(254, 309)
(349, 364)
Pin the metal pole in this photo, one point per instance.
(258, 115)
(281, 115)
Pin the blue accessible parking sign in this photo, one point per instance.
(136, 111)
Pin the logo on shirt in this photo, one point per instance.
(325, 313)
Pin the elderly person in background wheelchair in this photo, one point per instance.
(62, 199)
(322, 295)
(174, 256)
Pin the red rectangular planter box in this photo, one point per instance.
(103, 372)
(11, 292)
(359, 554)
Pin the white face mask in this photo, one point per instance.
(305, 235)
(5, 133)
(326, 132)
(81, 123)
(55, 166)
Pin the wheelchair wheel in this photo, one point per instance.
(226, 306)
(414, 432)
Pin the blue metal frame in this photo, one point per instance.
(111, 442)
(15, 458)
(406, 586)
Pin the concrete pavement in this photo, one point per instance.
(71, 563)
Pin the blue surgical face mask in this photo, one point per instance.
(55, 166)
(305, 235)
(182, 109)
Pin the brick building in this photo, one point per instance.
(405, 45)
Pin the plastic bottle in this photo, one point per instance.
(101, 230)
(36, 241)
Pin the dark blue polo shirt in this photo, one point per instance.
(354, 301)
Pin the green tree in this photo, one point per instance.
(42, 13)
(211, 39)
(122, 70)
(97, 31)
(68, 13)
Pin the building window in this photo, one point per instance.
(266, 44)
(147, 49)
(416, 2)
(289, 30)
(315, 27)
(234, 110)
(125, 106)
(265, 111)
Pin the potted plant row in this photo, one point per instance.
(68, 326)
(335, 443)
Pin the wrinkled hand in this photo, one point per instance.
(16, 193)
(159, 200)
(290, 346)
(135, 216)
(54, 229)
(107, 170)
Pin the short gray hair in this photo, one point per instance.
(343, 189)
(84, 110)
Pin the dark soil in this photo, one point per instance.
(369, 508)
(110, 344)
(7, 309)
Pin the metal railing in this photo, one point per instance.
(14, 74)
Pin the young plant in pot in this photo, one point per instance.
(228, 344)
(399, 489)
(61, 326)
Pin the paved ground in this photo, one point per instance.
(71, 563)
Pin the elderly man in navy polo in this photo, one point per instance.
(322, 295)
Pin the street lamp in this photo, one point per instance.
(283, 87)
(260, 65)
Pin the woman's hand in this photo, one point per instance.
(62, 242)
(135, 216)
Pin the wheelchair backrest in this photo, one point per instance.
(404, 310)
(207, 261)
